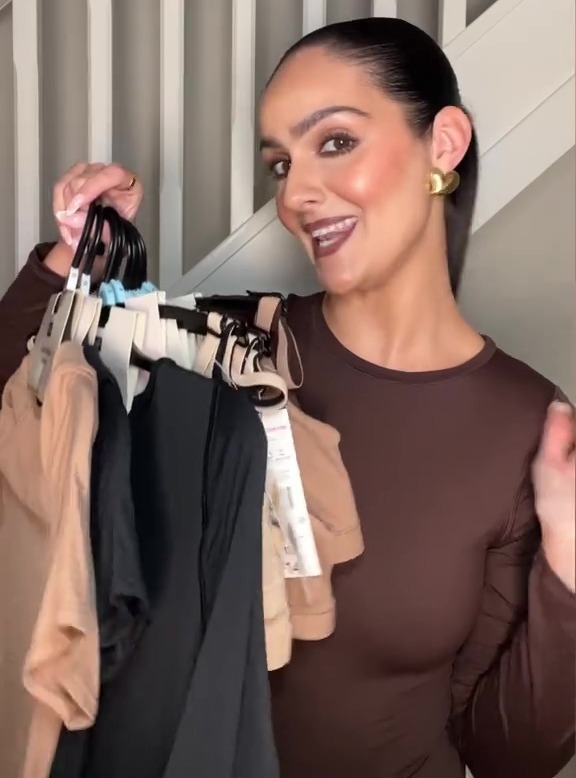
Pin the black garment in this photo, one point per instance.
(194, 698)
(121, 599)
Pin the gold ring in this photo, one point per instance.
(132, 184)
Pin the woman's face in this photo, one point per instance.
(351, 175)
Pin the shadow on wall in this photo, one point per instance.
(518, 285)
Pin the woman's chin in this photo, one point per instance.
(335, 281)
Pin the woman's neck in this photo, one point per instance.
(410, 323)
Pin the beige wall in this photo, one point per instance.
(519, 280)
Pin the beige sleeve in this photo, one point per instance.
(277, 628)
(61, 670)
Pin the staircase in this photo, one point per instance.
(515, 65)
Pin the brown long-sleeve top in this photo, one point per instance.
(454, 640)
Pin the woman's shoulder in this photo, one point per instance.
(515, 397)
(521, 382)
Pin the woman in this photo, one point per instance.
(455, 630)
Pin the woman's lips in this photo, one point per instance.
(328, 235)
(330, 245)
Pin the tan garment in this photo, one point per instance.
(338, 536)
(49, 657)
(335, 523)
(278, 630)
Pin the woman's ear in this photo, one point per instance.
(451, 136)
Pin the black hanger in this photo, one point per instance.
(136, 270)
(189, 320)
(81, 247)
(140, 360)
(236, 305)
(115, 255)
(142, 256)
(95, 240)
(116, 248)
(129, 274)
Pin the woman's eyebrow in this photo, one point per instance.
(310, 121)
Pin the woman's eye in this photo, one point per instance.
(280, 168)
(337, 145)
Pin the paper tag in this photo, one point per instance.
(287, 500)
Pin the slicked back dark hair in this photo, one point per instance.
(410, 67)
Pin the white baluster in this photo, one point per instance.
(171, 142)
(385, 8)
(242, 127)
(452, 20)
(100, 80)
(313, 15)
(27, 126)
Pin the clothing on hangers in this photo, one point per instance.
(275, 609)
(204, 583)
(301, 608)
(49, 661)
(250, 354)
(335, 523)
(120, 594)
(190, 568)
(121, 597)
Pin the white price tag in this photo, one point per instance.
(287, 500)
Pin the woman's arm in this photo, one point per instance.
(23, 305)
(514, 680)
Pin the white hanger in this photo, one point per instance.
(154, 345)
(116, 340)
(54, 329)
(137, 379)
(187, 301)
(176, 346)
(85, 320)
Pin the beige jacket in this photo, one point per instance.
(304, 608)
(49, 655)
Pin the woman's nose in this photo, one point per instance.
(302, 188)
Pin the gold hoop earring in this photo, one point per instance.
(440, 183)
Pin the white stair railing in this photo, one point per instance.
(242, 126)
(171, 142)
(313, 15)
(451, 20)
(385, 8)
(25, 45)
(99, 80)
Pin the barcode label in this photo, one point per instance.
(287, 499)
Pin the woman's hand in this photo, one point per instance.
(554, 477)
(74, 192)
